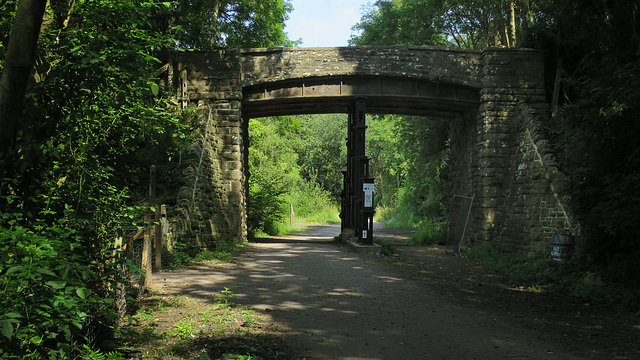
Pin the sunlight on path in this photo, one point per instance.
(341, 305)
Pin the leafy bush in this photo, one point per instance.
(538, 273)
(176, 259)
(409, 156)
(597, 136)
(276, 181)
(394, 218)
(182, 256)
(520, 269)
(265, 207)
(430, 233)
(49, 291)
(312, 203)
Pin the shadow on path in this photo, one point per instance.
(318, 234)
(340, 305)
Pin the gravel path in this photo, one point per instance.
(337, 304)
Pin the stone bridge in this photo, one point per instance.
(495, 100)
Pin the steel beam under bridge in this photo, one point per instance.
(357, 195)
(384, 95)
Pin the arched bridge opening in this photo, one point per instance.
(357, 96)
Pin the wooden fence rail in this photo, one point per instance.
(141, 246)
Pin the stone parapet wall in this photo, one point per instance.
(453, 66)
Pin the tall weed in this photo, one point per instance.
(430, 233)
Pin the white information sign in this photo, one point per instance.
(368, 194)
(364, 234)
(368, 199)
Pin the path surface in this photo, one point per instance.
(337, 304)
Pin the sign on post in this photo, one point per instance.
(368, 194)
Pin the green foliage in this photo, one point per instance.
(183, 255)
(282, 150)
(87, 354)
(609, 295)
(95, 120)
(430, 233)
(398, 22)
(395, 219)
(312, 203)
(49, 290)
(595, 130)
(272, 164)
(183, 330)
(598, 136)
(265, 207)
(409, 157)
(521, 270)
(92, 111)
(176, 259)
(92, 107)
(537, 273)
(226, 295)
(7, 12)
(206, 24)
(223, 252)
(475, 24)
(479, 24)
(322, 151)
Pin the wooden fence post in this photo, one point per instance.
(146, 253)
(152, 183)
(158, 238)
(292, 216)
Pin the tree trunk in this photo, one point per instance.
(17, 68)
(214, 16)
(512, 24)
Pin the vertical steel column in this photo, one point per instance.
(357, 170)
(355, 217)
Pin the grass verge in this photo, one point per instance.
(539, 274)
(178, 327)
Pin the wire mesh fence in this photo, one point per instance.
(460, 211)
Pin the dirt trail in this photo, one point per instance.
(337, 304)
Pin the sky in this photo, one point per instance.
(323, 23)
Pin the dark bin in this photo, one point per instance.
(561, 247)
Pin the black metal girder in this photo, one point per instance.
(336, 94)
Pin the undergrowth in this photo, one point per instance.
(539, 273)
(428, 231)
(182, 256)
(177, 327)
(282, 227)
